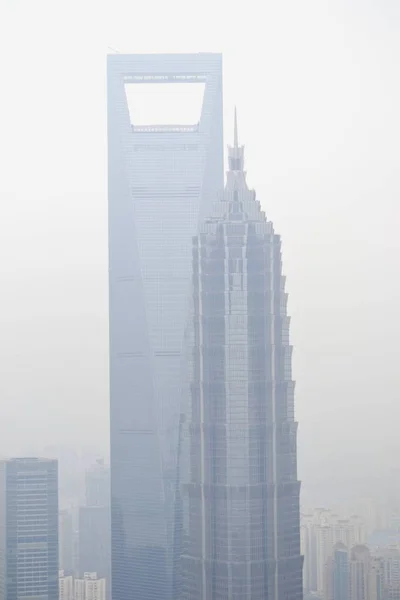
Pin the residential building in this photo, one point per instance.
(376, 580)
(324, 549)
(309, 523)
(90, 587)
(391, 566)
(336, 580)
(65, 586)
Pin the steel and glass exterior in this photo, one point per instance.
(340, 584)
(29, 529)
(162, 180)
(242, 529)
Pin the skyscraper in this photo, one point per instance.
(97, 484)
(66, 539)
(391, 565)
(376, 581)
(340, 572)
(242, 529)
(94, 538)
(162, 179)
(28, 529)
(94, 541)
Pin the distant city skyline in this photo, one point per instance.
(353, 556)
(321, 124)
(318, 93)
(84, 530)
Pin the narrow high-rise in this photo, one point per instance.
(97, 484)
(162, 178)
(336, 571)
(94, 539)
(28, 529)
(66, 540)
(242, 523)
(359, 573)
(340, 572)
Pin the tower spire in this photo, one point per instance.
(235, 152)
(235, 139)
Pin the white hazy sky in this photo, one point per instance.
(317, 87)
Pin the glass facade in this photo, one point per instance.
(97, 484)
(29, 529)
(162, 180)
(94, 540)
(340, 572)
(241, 519)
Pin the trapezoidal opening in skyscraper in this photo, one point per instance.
(165, 101)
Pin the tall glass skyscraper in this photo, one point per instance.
(28, 529)
(242, 529)
(162, 179)
(340, 565)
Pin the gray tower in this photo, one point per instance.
(340, 572)
(97, 484)
(162, 180)
(94, 524)
(66, 539)
(28, 529)
(242, 529)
